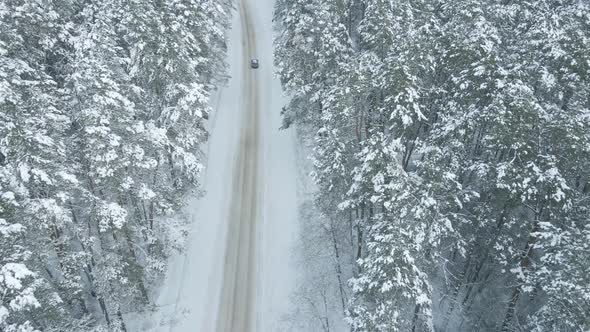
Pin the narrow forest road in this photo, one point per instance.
(236, 272)
(238, 296)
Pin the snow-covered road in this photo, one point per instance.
(238, 296)
(237, 272)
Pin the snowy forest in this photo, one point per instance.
(449, 151)
(451, 155)
(102, 105)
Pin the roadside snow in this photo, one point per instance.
(280, 227)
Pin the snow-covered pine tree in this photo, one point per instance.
(35, 172)
(478, 108)
(102, 107)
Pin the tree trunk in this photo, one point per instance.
(103, 307)
(338, 267)
(120, 315)
(415, 318)
(500, 223)
(142, 288)
(524, 265)
(453, 299)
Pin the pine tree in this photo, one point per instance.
(469, 119)
(102, 107)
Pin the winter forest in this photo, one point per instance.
(102, 105)
(449, 151)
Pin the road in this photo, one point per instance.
(235, 273)
(238, 296)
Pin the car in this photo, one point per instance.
(254, 63)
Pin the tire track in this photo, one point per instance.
(238, 297)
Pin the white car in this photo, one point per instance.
(254, 63)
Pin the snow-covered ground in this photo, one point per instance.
(189, 299)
